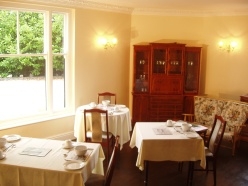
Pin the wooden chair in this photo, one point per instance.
(93, 130)
(211, 149)
(240, 134)
(100, 180)
(189, 117)
(107, 96)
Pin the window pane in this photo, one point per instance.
(22, 96)
(58, 82)
(8, 44)
(31, 32)
(57, 33)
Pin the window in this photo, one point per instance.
(35, 63)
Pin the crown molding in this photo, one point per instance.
(85, 4)
(193, 13)
(138, 11)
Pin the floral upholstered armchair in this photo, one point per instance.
(234, 113)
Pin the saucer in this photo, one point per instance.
(67, 147)
(12, 138)
(74, 165)
(4, 156)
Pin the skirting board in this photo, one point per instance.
(63, 136)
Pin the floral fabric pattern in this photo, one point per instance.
(234, 112)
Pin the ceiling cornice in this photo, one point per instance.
(138, 11)
(197, 13)
(86, 4)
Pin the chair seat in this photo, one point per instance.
(208, 152)
(104, 135)
(95, 180)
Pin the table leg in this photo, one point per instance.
(146, 164)
(190, 173)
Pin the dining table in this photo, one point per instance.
(46, 162)
(119, 122)
(156, 141)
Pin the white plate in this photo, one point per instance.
(67, 147)
(12, 137)
(4, 156)
(73, 165)
(191, 135)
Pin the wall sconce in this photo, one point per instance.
(107, 42)
(229, 47)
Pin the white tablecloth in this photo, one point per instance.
(119, 123)
(173, 147)
(26, 170)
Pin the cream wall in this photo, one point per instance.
(222, 74)
(97, 69)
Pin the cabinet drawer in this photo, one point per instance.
(166, 85)
(166, 107)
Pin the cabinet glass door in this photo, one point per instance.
(159, 61)
(192, 66)
(141, 74)
(175, 61)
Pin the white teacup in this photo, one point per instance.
(169, 123)
(117, 109)
(68, 143)
(92, 104)
(186, 127)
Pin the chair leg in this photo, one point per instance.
(214, 171)
(180, 166)
(206, 167)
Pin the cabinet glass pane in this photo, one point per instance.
(158, 62)
(175, 61)
(191, 75)
(141, 74)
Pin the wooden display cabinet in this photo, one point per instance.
(166, 78)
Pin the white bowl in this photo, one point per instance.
(80, 150)
(105, 102)
(3, 141)
(186, 127)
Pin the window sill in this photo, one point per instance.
(32, 120)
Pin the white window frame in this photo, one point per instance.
(69, 79)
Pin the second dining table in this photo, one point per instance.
(157, 142)
(119, 122)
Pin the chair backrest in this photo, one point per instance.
(216, 134)
(188, 117)
(112, 162)
(107, 96)
(95, 123)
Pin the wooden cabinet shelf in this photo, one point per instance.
(166, 77)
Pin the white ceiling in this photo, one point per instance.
(175, 7)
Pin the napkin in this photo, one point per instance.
(162, 131)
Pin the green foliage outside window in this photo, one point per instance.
(27, 37)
